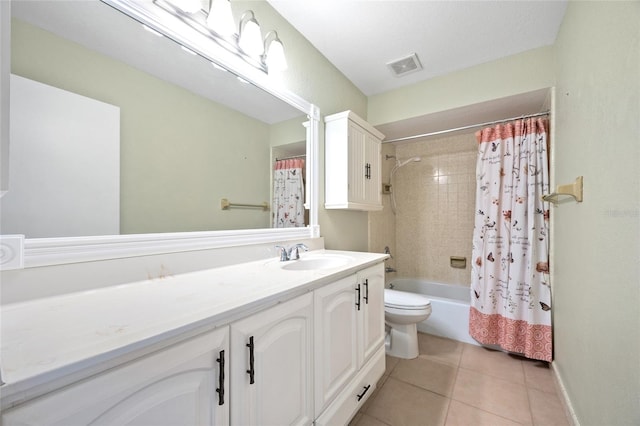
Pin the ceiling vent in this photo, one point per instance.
(406, 65)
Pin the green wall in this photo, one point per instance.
(180, 153)
(597, 242)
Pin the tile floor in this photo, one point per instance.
(457, 384)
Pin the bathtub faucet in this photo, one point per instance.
(389, 269)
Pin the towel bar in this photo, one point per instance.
(226, 205)
(572, 189)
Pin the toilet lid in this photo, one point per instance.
(404, 300)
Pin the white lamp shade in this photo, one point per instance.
(220, 18)
(250, 40)
(188, 6)
(275, 60)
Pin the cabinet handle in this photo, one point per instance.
(366, 291)
(358, 296)
(367, 171)
(251, 371)
(366, 389)
(220, 390)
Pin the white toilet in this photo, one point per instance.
(402, 312)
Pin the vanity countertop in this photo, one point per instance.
(77, 334)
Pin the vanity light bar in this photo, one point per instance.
(198, 21)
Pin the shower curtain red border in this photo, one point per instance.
(518, 336)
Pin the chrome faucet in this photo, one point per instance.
(293, 253)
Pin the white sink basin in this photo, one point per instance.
(309, 263)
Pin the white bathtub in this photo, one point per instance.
(449, 307)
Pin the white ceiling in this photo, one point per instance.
(361, 36)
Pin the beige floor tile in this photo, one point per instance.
(538, 375)
(489, 388)
(494, 363)
(501, 397)
(390, 362)
(439, 349)
(399, 404)
(427, 374)
(465, 415)
(546, 409)
(365, 420)
(355, 419)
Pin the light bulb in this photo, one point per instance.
(220, 18)
(250, 40)
(275, 60)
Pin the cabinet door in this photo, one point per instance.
(373, 179)
(177, 385)
(357, 164)
(271, 370)
(335, 339)
(372, 283)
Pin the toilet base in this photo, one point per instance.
(404, 341)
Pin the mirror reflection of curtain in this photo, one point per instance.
(288, 193)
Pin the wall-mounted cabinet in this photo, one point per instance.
(352, 163)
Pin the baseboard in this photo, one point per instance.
(564, 397)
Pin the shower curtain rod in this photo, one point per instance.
(472, 126)
(292, 157)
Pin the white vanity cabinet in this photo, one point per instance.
(186, 383)
(271, 371)
(312, 356)
(349, 344)
(353, 177)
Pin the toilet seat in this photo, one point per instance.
(403, 300)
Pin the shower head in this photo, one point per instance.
(407, 161)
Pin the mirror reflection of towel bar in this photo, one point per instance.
(572, 189)
(226, 205)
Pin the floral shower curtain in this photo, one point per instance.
(510, 290)
(288, 193)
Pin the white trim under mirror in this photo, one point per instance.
(53, 251)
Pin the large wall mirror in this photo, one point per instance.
(191, 133)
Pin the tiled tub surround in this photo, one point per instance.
(435, 204)
(436, 200)
(49, 342)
